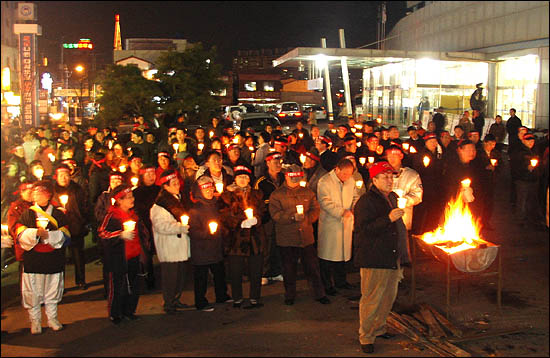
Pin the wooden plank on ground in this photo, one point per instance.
(444, 322)
(449, 347)
(415, 324)
(487, 335)
(435, 329)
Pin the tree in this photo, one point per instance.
(188, 79)
(126, 93)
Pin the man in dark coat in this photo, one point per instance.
(512, 126)
(378, 228)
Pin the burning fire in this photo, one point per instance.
(459, 232)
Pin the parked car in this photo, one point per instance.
(231, 112)
(255, 122)
(289, 111)
(320, 111)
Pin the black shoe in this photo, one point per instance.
(83, 286)
(182, 306)
(331, 291)
(170, 311)
(354, 298)
(131, 317)
(238, 303)
(386, 336)
(252, 305)
(324, 300)
(289, 301)
(367, 348)
(226, 299)
(347, 286)
(115, 320)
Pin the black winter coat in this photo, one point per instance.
(375, 238)
(206, 248)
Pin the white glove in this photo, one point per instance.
(127, 235)
(248, 223)
(468, 194)
(184, 229)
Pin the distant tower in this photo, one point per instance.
(118, 41)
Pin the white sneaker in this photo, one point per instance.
(265, 281)
(55, 324)
(36, 327)
(277, 278)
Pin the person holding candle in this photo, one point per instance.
(289, 156)
(337, 194)
(313, 169)
(242, 210)
(163, 164)
(458, 168)
(267, 184)
(258, 162)
(431, 175)
(100, 211)
(215, 169)
(171, 240)
(41, 154)
(43, 256)
(378, 229)
(125, 248)
(77, 211)
(293, 210)
(487, 170)
(525, 160)
(328, 157)
(207, 244)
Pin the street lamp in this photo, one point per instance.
(81, 71)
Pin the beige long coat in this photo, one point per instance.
(335, 233)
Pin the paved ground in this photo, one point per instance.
(307, 328)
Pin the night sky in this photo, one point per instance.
(230, 26)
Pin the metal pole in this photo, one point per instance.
(328, 92)
(364, 99)
(345, 76)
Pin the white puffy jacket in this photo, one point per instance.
(408, 180)
(169, 247)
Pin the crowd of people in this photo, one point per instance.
(242, 203)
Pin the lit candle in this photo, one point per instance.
(113, 201)
(251, 148)
(249, 213)
(303, 183)
(129, 225)
(413, 150)
(52, 157)
(406, 146)
(219, 187)
(300, 209)
(42, 222)
(301, 135)
(176, 147)
(371, 160)
(201, 146)
(399, 192)
(236, 140)
(401, 203)
(122, 168)
(252, 155)
(358, 126)
(134, 181)
(466, 183)
(110, 144)
(64, 199)
(211, 134)
(426, 161)
(534, 162)
(302, 158)
(213, 227)
(39, 173)
(358, 144)
(379, 120)
(5, 230)
(359, 134)
(184, 220)
(333, 130)
(493, 162)
(353, 129)
(363, 160)
(359, 184)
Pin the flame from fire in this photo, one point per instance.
(459, 232)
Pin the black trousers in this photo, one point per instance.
(79, 260)
(173, 280)
(236, 268)
(310, 264)
(123, 290)
(527, 201)
(200, 273)
(272, 257)
(333, 273)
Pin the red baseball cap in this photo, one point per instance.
(380, 167)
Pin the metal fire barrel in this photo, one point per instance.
(472, 260)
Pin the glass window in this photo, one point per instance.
(250, 86)
(269, 86)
